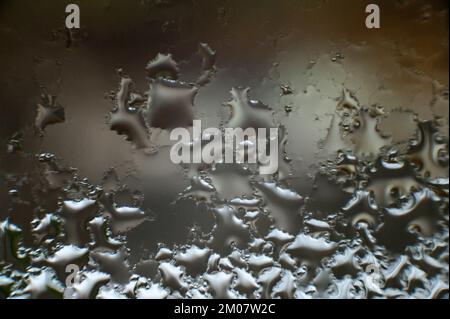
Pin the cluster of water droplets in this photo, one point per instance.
(374, 223)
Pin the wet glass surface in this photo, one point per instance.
(91, 206)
